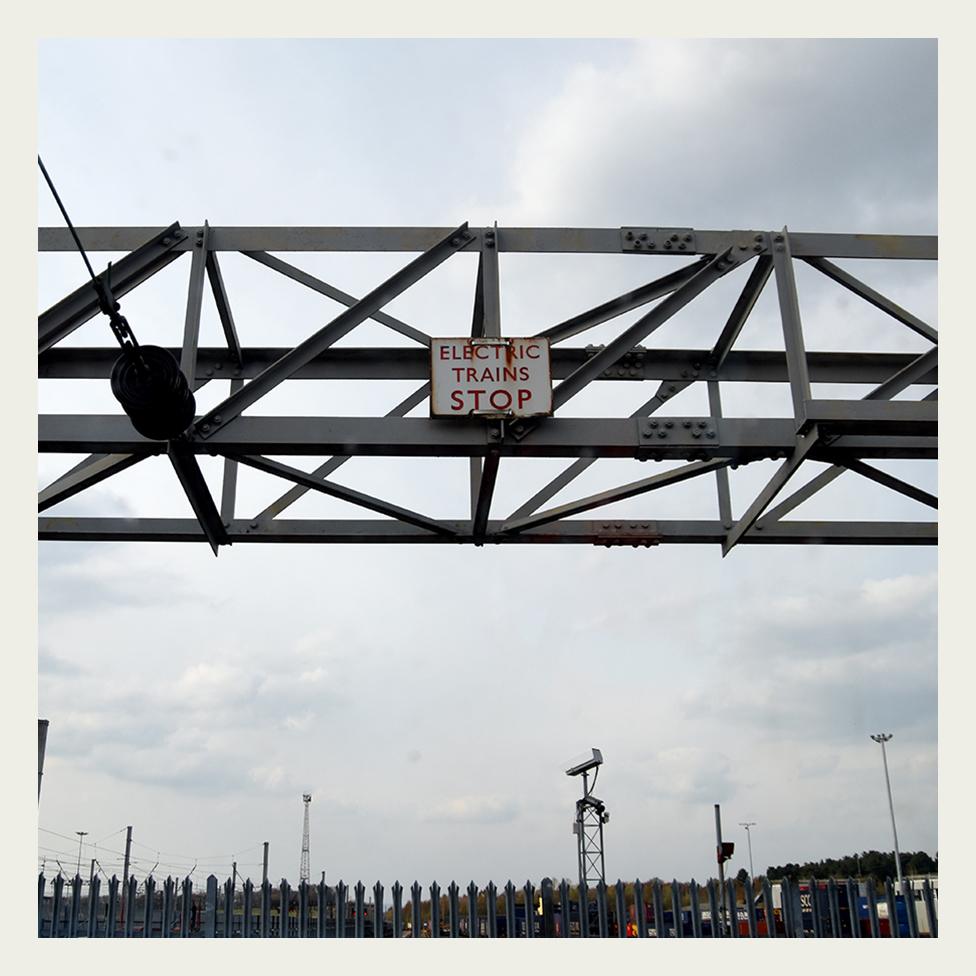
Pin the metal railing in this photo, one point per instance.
(757, 909)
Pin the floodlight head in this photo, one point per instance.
(587, 764)
(307, 797)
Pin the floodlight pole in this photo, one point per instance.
(882, 738)
(747, 825)
(590, 817)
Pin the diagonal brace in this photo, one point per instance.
(489, 475)
(805, 443)
(342, 492)
(673, 477)
(92, 470)
(198, 494)
(890, 481)
(316, 344)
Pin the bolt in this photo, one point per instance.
(696, 365)
(684, 374)
(455, 241)
(205, 427)
(743, 247)
(713, 374)
(669, 424)
(618, 525)
(220, 366)
(635, 372)
(711, 434)
(759, 528)
(217, 418)
(643, 237)
(652, 245)
(674, 237)
(671, 388)
(226, 525)
(637, 243)
(686, 423)
(681, 247)
(254, 525)
(757, 248)
(647, 433)
(199, 233)
(519, 428)
(630, 236)
(687, 238)
(209, 372)
(696, 433)
(758, 238)
(667, 244)
(653, 423)
(778, 238)
(702, 424)
(489, 243)
(661, 433)
(199, 243)
(167, 240)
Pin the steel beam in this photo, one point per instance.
(89, 472)
(622, 303)
(344, 493)
(485, 492)
(336, 294)
(619, 532)
(789, 308)
(743, 439)
(543, 240)
(672, 477)
(194, 306)
(889, 481)
(152, 251)
(875, 298)
(401, 363)
(198, 494)
(261, 385)
(324, 470)
(741, 311)
(223, 309)
(805, 444)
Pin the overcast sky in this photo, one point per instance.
(429, 697)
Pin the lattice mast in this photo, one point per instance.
(304, 871)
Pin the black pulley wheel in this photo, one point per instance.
(153, 392)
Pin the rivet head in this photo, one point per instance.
(637, 244)
(204, 426)
(778, 238)
(757, 248)
(217, 418)
(696, 433)
(643, 237)
(667, 244)
(674, 237)
(711, 433)
(455, 241)
(254, 525)
(687, 238)
(758, 238)
(661, 433)
(686, 423)
(652, 245)
(630, 235)
(702, 424)
(669, 424)
(653, 423)
(681, 247)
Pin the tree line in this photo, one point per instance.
(868, 864)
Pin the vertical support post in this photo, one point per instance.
(548, 922)
(42, 724)
(714, 908)
(789, 308)
(472, 910)
(602, 920)
(397, 910)
(194, 304)
(872, 901)
(265, 906)
(529, 891)
(621, 909)
(892, 909)
(40, 905)
(264, 873)
(149, 894)
(416, 893)
(186, 908)
(694, 898)
(247, 917)
(303, 887)
(360, 895)
(815, 919)
(229, 908)
(660, 926)
(768, 910)
(435, 910)
(74, 907)
(750, 893)
(283, 905)
(565, 910)
(639, 909)
(491, 910)
(833, 905)
(56, 899)
(584, 910)
(853, 907)
(733, 901)
(228, 500)
(510, 925)
(721, 866)
(210, 909)
(113, 901)
(92, 903)
(453, 911)
(378, 914)
(676, 908)
(130, 908)
(908, 896)
(125, 872)
(168, 893)
(929, 899)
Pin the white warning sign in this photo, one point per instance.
(491, 377)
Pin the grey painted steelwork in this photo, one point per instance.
(844, 433)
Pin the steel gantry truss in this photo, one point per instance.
(848, 434)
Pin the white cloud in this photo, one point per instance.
(474, 809)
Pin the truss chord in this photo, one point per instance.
(324, 470)
(317, 343)
(323, 288)
(873, 297)
(343, 493)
